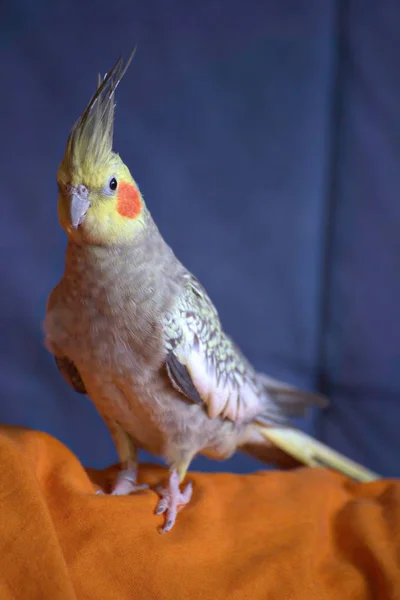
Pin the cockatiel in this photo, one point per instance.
(132, 328)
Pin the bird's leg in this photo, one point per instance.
(172, 499)
(126, 479)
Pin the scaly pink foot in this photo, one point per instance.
(125, 483)
(172, 500)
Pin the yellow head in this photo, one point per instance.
(99, 201)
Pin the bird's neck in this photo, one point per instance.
(144, 271)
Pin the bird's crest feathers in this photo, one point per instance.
(91, 136)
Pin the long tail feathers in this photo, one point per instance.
(311, 452)
(289, 400)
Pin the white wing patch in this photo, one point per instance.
(205, 365)
(229, 395)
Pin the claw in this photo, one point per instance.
(161, 506)
(172, 500)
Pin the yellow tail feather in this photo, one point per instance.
(311, 452)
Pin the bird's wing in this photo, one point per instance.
(70, 373)
(203, 363)
(207, 367)
(66, 367)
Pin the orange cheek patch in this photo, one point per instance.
(129, 204)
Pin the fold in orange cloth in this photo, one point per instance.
(304, 534)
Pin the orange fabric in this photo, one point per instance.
(305, 534)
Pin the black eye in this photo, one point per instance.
(113, 184)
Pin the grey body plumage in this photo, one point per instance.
(118, 315)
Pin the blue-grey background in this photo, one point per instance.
(265, 136)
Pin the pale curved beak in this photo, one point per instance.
(79, 204)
